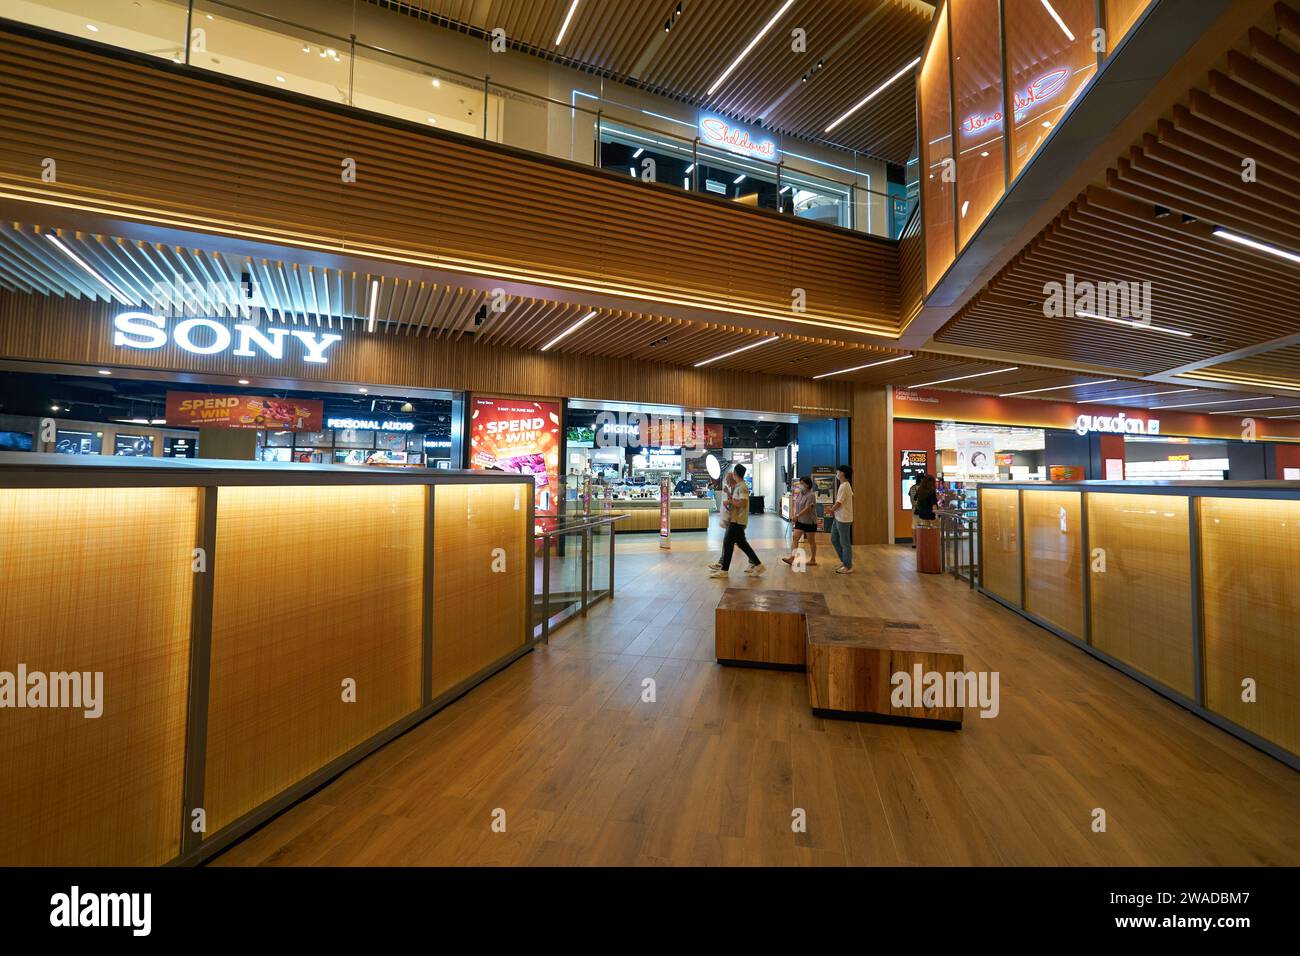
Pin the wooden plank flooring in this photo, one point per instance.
(710, 773)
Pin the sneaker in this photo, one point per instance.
(719, 574)
(787, 560)
(755, 569)
(843, 570)
(715, 566)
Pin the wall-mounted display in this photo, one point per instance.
(520, 436)
(180, 447)
(15, 441)
(132, 446)
(191, 409)
(78, 443)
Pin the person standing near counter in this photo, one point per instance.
(842, 512)
(723, 496)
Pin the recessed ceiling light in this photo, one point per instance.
(738, 180)
(571, 329)
(637, 154)
(54, 408)
(564, 27)
(984, 152)
(92, 28)
(87, 268)
(433, 121)
(876, 92)
(743, 348)
(1132, 323)
(1227, 401)
(1119, 398)
(1057, 388)
(750, 46)
(437, 83)
(962, 378)
(104, 371)
(1257, 245)
(370, 308)
(364, 391)
(859, 368)
(243, 381)
(279, 79)
(1059, 22)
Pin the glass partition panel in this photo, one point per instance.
(937, 170)
(432, 96)
(978, 105)
(1000, 542)
(1250, 599)
(1054, 558)
(1120, 17)
(269, 51)
(1139, 577)
(154, 27)
(1049, 60)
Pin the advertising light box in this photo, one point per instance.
(523, 437)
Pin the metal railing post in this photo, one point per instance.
(586, 574)
(612, 537)
(595, 154)
(189, 31)
(486, 79)
(546, 590)
(352, 69)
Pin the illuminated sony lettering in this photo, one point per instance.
(1119, 424)
(202, 336)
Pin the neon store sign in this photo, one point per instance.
(1040, 91)
(1119, 424)
(716, 131)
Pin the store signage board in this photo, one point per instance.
(520, 436)
(1119, 424)
(203, 336)
(198, 410)
(665, 514)
(369, 425)
(724, 134)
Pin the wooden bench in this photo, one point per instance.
(754, 627)
(852, 660)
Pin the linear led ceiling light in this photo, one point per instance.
(1119, 398)
(859, 368)
(1260, 246)
(1057, 388)
(1227, 401)
(1275, 408)
(1132, 323)
(373, 304)
(86, 267)
(749, 47)
(571, 329)
(743, 348)
(559, 38)
(1059, 22)
(876, 92)
(962, 378)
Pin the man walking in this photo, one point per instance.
(737, 520)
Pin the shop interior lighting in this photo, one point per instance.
(1257, 245)
(1132, 323)
(749, 47)
(1057, 388)
(1059, 22)
(373, 304)
(859, 368)
(571, 329)
(743, 348)
(564, 27)
(87, 268)
(738, 180)
(962, 378)
(876, 92)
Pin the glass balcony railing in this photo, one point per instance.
(574, 568)
(257, 46)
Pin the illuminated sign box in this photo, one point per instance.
(724, 134)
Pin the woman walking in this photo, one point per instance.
(805, 522)
(842, 510)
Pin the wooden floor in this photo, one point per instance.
(713, 770)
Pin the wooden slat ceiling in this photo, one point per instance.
(1153, 220)
(852, 47)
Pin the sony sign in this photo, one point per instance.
(140, 330)
(1120, 424)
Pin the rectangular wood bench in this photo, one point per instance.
(852, 660)
(754, 627)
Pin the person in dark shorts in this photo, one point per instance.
(805, 521)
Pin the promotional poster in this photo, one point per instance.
(195, 410)
(523, 437)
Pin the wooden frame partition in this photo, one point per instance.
(1192, 588)
(245, 632)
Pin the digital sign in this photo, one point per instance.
(523, 437)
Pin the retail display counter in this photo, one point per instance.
(245, 632)
(685, 514)
(1192, 588)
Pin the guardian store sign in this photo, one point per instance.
(203, 336)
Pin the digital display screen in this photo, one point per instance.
(15, 441)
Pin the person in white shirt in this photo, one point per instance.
(842, 511)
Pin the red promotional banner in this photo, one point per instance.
(197, 410)
(520, 436)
